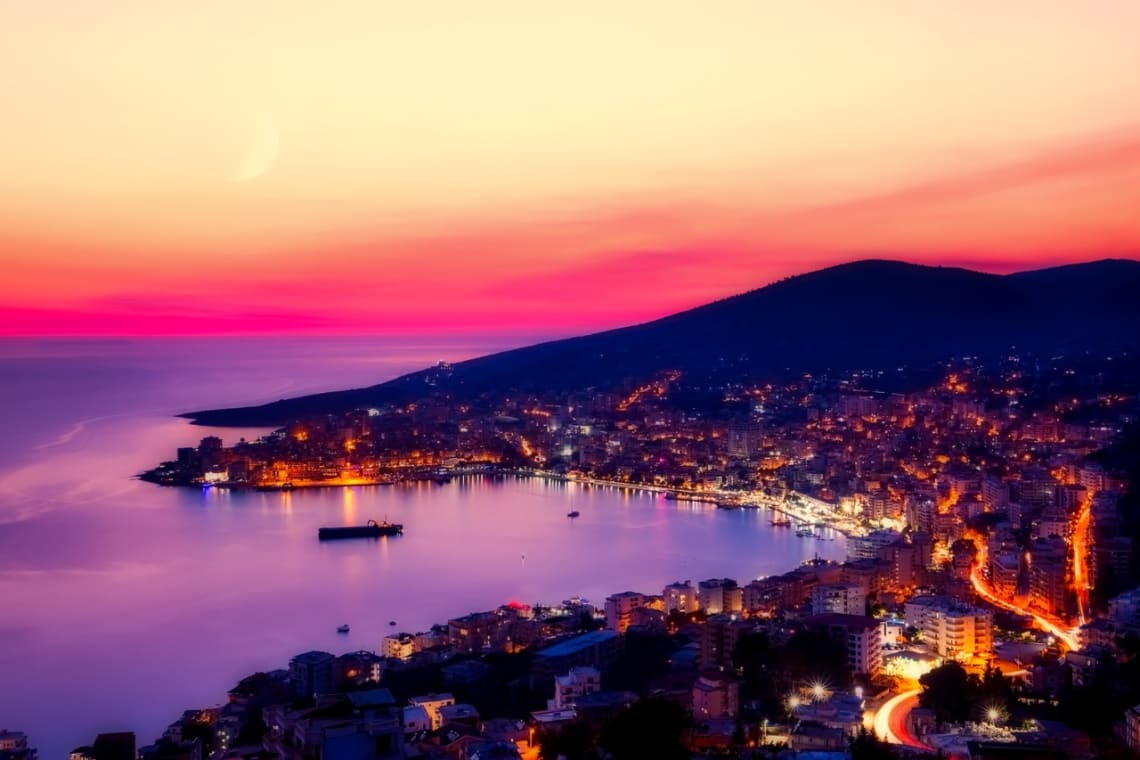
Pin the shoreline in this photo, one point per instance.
(818, 517)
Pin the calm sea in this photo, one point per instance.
(123, 603)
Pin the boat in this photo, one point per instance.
(573, 513)
(806, 531)
(391, 622)
(342, 628)
(782, 522)
(372, 529)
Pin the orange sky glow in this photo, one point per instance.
(448, 167)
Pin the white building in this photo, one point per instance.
(844, 598)
(416, 719)
(950, 628)
(577, 683)
(432, 703)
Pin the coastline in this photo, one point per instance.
(821, 515)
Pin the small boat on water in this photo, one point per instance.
(782, 522)
(573, 513)
(806, 531)
(342, 628)
(372, 529)
(391, 622)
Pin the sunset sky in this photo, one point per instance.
(358, 166)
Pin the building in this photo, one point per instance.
(718, 638)
(312, 673)
(14, 746)
(358, 669)
(399, 646)
(715, 697)
(415, 719)
(1048, 571)
(116, 746)
(680, 597)
(951, 629)
(575, 684)
(842, 711)
(816, 737)
(432, 704)
(1005, 569)
(463, 714)
(1131, 728)
(597, 649)
(870, 545)
(843, 598)
(718, 595)
(861, 636)
(479, 631)
(619, 608)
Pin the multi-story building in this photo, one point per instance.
(844, 598)
(861, 636)
(869, 546)
(1005, 568)
(718, 638)
(950, 628)
(597, 649)
(718, 595)
(619, 608)
(577, 683)
(1131, 728)
(14, 746)
(715, 697)
(312, 673)
(1048, 576)
(399, 646)
(432, 704)
(680, 597)
(480, 631)
(358, 668)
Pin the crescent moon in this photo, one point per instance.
(262, 151)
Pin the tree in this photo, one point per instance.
(867, 746)
(650, 728)
(813, 655)
(755, 657)
(575, 741)
(950, 691)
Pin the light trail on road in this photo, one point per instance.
(1080, 553)
(889, 723)
(1067, 636)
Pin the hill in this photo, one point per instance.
(867, 315)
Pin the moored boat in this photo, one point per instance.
(372, 529)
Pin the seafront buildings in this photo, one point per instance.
(977, 510)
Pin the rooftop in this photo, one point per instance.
(578, 643)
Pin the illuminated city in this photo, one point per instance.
(515, 380)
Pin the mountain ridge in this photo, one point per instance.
(868, 314)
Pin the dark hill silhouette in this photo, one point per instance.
(871, 314)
